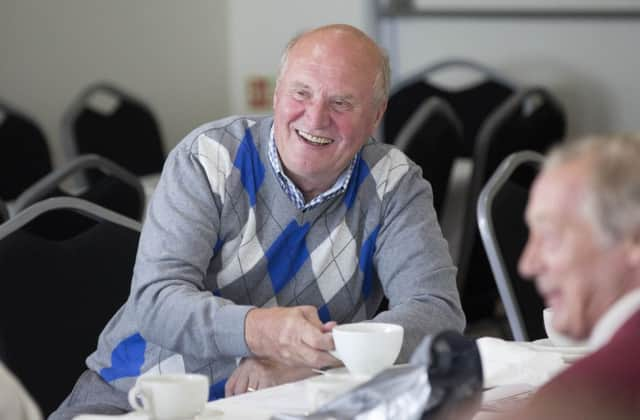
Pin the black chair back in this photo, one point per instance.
(532, 119)
(107, 121)
(24, 155)
(4, 212)
(65, 269)
(110, 186)
(504, 234)
(431, 138)
(472, 104)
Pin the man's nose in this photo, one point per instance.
(318, 114)
(528, 261)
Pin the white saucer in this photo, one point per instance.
(545, 344)
(568, 353)
(337, 371)
(210, 413)
(134, 415)
(342, 372)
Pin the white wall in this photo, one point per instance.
(259, 31)
(191, 60)
(171, 54)
(589, 64)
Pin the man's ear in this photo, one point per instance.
(379, 114)
(275, 93)
(633, 244)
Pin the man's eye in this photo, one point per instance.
(341, 105)
(300, 94)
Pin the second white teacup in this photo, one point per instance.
(556, 337)
(367, 348)
(169, 397)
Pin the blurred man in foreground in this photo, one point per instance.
(584, 254)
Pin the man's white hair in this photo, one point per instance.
(613, 184)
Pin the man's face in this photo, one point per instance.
(578, 274)
(324, 107)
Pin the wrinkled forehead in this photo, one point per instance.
(339, 48)
(558, 191)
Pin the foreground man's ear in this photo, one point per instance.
(633, 245)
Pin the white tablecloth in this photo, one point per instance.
(499, 358)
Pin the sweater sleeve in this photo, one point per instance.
(173, 307)
(414, 265)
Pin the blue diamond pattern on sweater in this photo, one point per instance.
(126, 359)
(216, 391)
(324, 314)
(218, 246)
(287, 254)
(366, 261)
(360, 173)
(250, 166)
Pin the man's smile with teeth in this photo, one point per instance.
(314, 139)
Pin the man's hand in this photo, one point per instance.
(254, 374)
(292, 336)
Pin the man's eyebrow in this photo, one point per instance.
(345, 98)
(299, 85)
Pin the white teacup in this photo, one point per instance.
(169, 397)
(556, 337)
(367, 348)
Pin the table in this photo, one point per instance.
(507, 367)
(513, 370)
(295, 398)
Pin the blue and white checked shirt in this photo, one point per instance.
(294, 192)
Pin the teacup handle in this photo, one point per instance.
(136, 393)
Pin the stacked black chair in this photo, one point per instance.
(432, 137)
(65, 269)
(472, 103)
(497, 118)
(504, 234)
(24, 156)
(109, 186)
(4, 212)
(531, 119)
(107, 121)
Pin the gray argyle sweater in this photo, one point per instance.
(221, 237)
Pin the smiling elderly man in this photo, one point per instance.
(265, 232)
(584, 254)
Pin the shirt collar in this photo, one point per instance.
(293, 192)
(612, 320)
